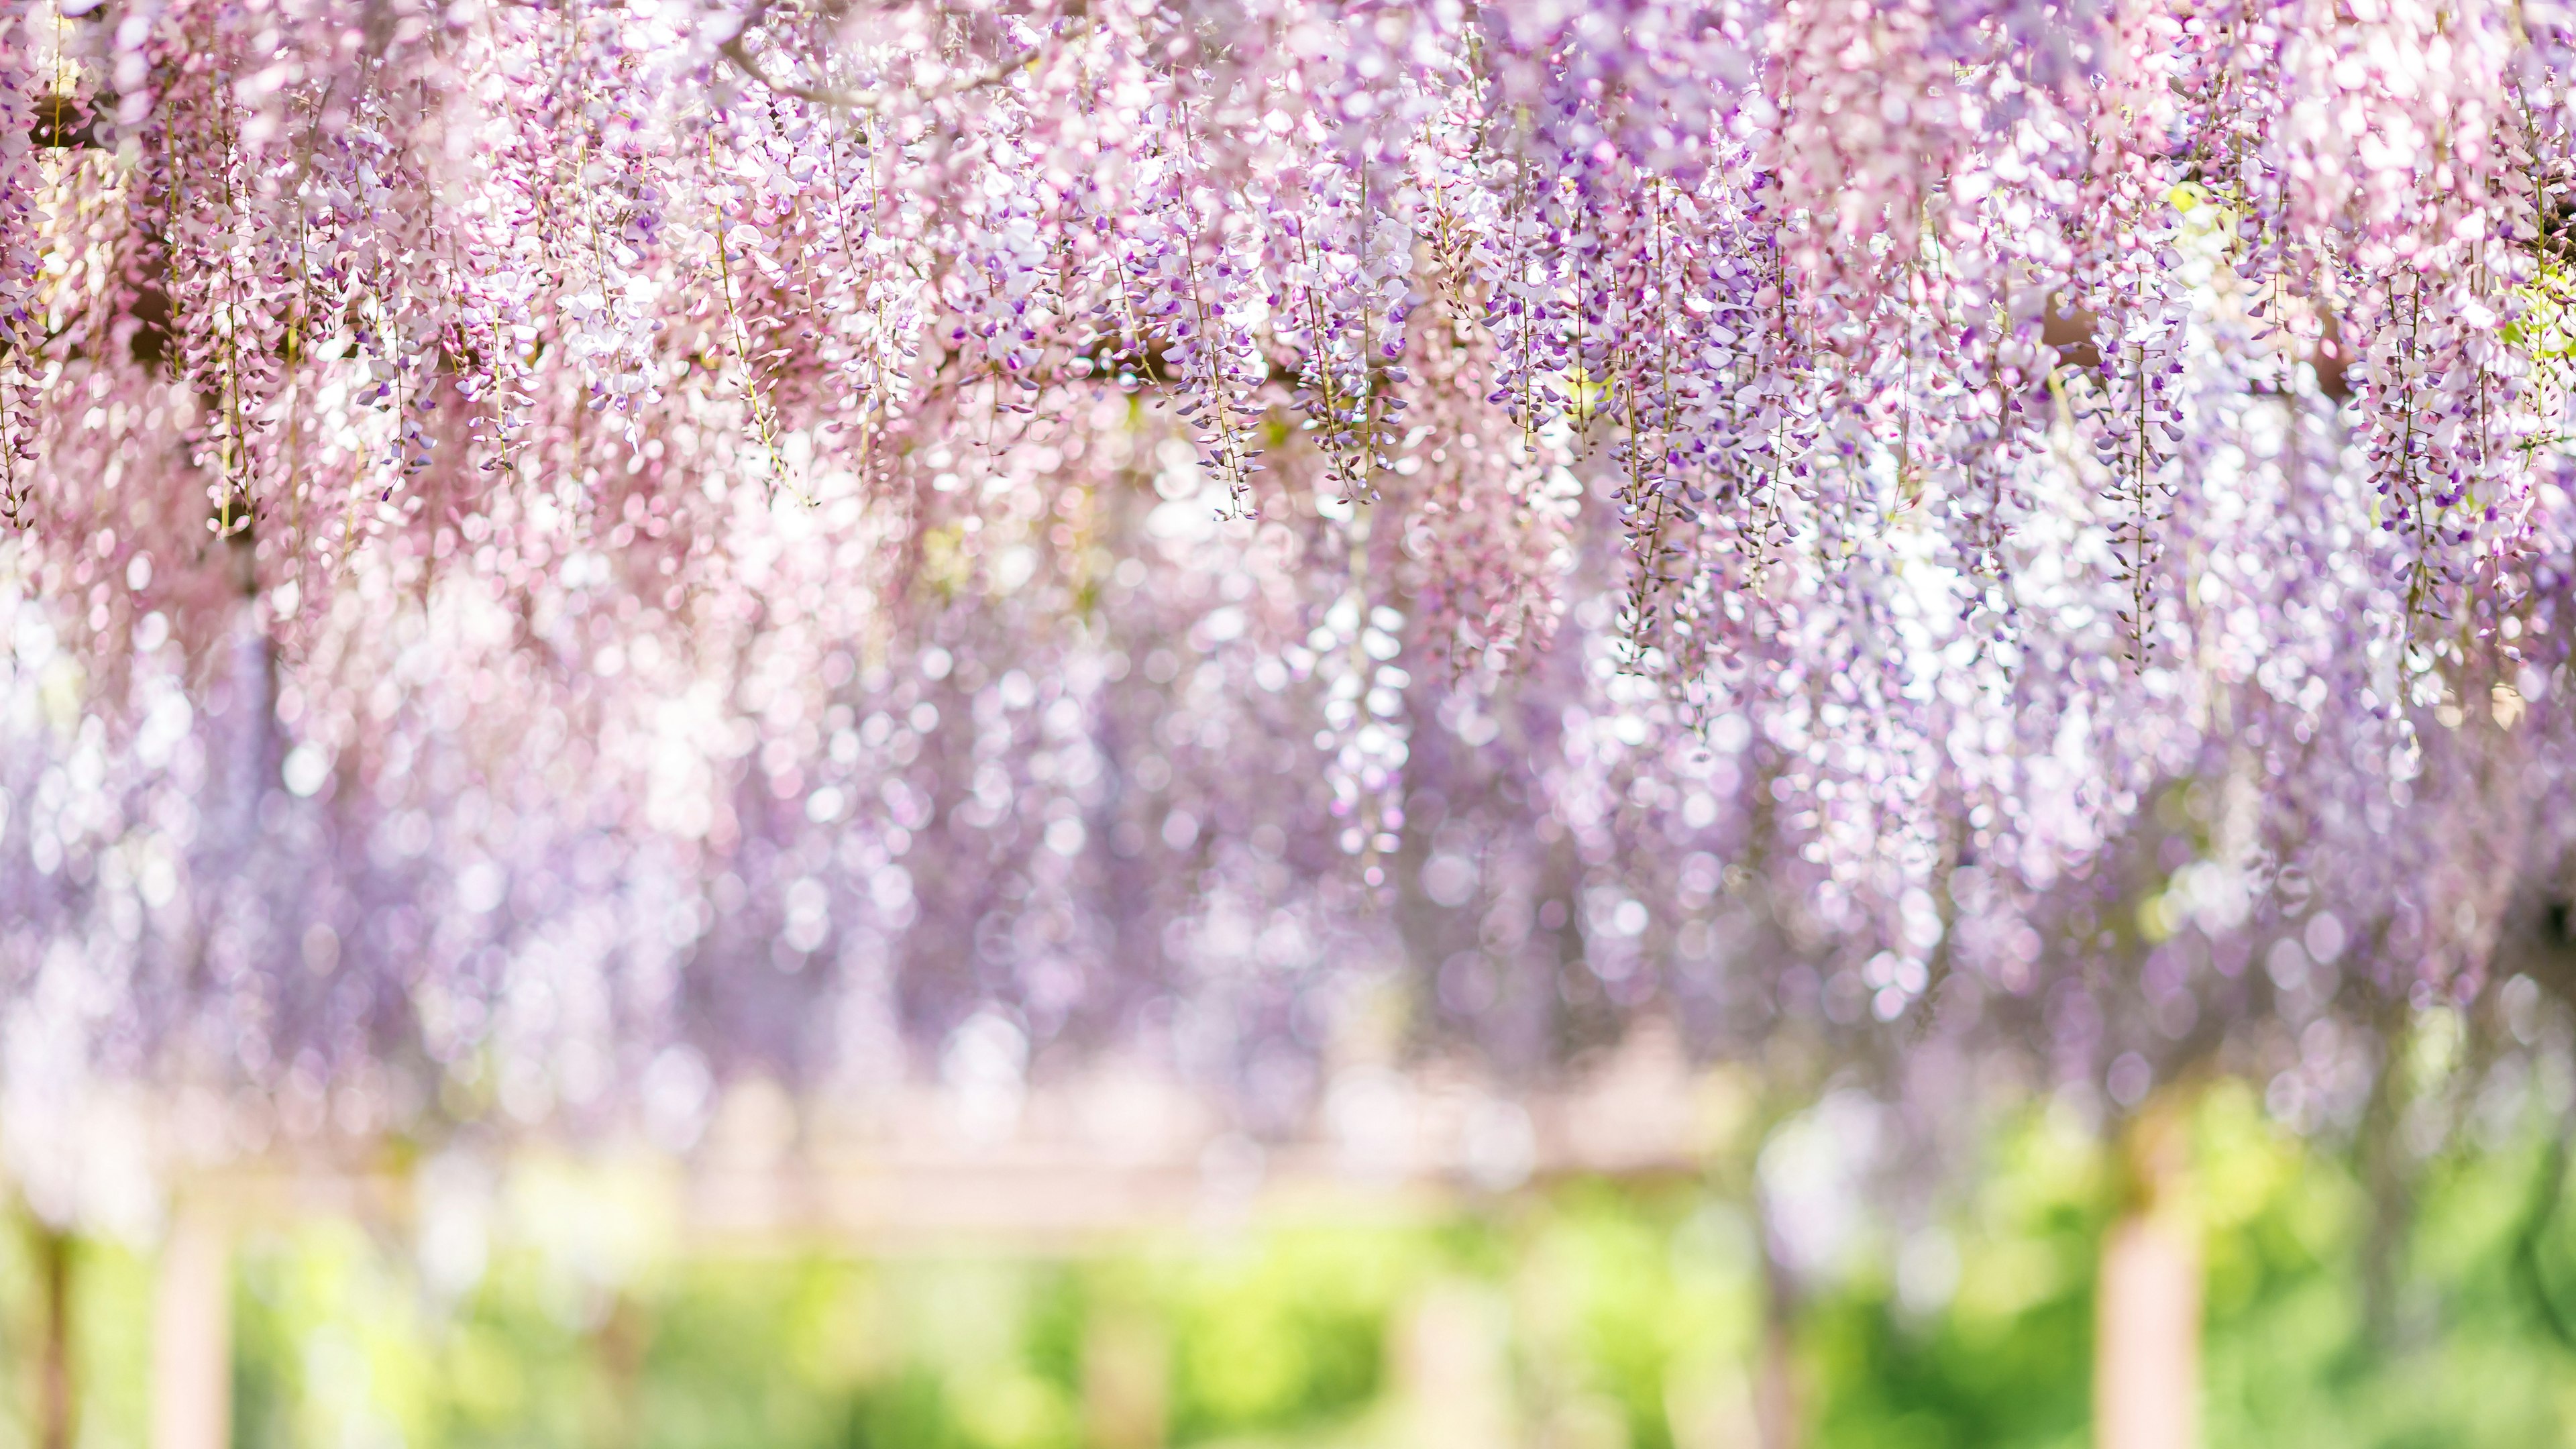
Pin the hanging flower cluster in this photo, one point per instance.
(765, 531)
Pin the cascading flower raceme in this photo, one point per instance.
(562, 548)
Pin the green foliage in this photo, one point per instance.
(111, 1335)
(1621, 1316)
(1635, 1301)
(2006, 1362)
(2290, 1362)
(1280, 1335)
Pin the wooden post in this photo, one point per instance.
(1126, 1381)
(192, 1365)
(2146, 1367)
(1776, 1421)
(55, 1401)
(617, 1347)
(1452, 1368)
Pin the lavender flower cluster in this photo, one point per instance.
(560, 552)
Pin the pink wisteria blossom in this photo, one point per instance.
(580, 548)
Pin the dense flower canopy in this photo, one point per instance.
(575, 546)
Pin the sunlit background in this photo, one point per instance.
(1129, 723)
(1436, 1268)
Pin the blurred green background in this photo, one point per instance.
(1572, 1313)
